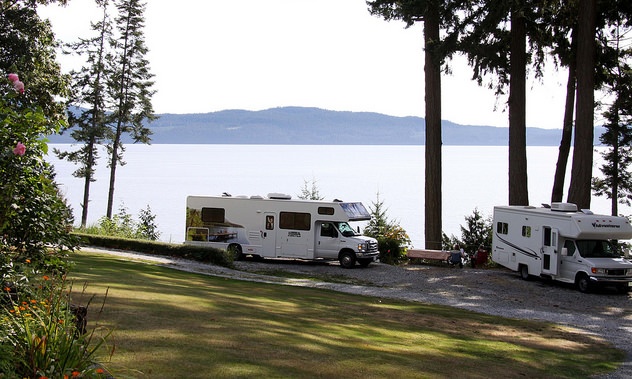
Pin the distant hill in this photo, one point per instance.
(314, 126)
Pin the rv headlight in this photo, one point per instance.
(362, 247)
(598, 271)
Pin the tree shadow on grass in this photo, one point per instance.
(168, 323)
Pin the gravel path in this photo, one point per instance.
(492, 291)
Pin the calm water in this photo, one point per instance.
(162, 176)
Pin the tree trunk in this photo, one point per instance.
(432, 70)
(581, 171)
(88, 180)
(518, 189)
(113, 163)
(557, 194)
(616, 162)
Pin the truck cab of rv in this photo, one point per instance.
(338, 240)
(594, 262)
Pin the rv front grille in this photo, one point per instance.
(373, 247)
(616, 272)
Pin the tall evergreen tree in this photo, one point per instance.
(130, 86)
(89, 98)
(581, 170)
(435, 14)
(617, 181)
(503, 39)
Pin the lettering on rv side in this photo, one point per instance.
(294, 234)
(597, 225)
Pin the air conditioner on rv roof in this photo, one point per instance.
(564, 207)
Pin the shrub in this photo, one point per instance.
(38, 337)
(124, 226)
(393, 241)
(34, 218)
(40, 329)
(477, 232)
(197, 253)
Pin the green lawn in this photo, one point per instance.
(172, 324)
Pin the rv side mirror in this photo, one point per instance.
(564, 252)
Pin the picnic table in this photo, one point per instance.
(438, 255)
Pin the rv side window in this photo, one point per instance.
(325, 211)
(547, 236)
(295, 220)
(502, 228)
(526, 231)
(213, 215)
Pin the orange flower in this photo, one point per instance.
(28, 260)
(7, 289)
(75, 374)
(100, 371)
(46, 277)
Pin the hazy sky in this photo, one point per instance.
(210, 55)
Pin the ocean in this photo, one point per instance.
(161, 176)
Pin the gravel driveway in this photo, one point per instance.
(492, 291)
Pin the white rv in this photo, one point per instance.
(562, 243)
(279, 227)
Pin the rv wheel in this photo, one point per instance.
(583, 283)
(347, 259)
(524, 272)
(235, 252)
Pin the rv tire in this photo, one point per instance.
(583, 283)
(524, 272)
(236, 252)
(347, 259)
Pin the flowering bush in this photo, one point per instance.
(38, 334)
(33, 216)
(41, 331)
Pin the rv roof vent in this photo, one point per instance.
(279, 196)
(564, 207)
(587, 212)
(256, 197)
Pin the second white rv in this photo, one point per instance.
(562, 243)
(279, 227)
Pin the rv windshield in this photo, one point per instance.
(345, 229)
(596, 249)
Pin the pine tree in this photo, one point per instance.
(130, 86)
(617, 181)
(310, 192)
(89, 97)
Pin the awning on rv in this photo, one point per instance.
(355, 211)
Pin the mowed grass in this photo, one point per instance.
(172, 324)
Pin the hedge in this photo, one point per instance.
(196, 253)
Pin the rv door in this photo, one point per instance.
(268, 236)
(327, 240)
(549, 251)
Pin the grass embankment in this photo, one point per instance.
(172, 324)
